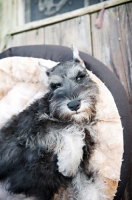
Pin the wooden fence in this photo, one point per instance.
(112, 44)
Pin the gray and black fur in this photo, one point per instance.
(30, 142)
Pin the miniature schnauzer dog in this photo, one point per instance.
(47, 146)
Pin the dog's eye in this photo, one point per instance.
(54, 86)
(80, 76)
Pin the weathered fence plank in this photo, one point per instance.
(35, 36)
(8, 18)
(125, 16)
(19, 39)
(11, 15)
(52, 34)
(77, 31)
(107, 44)
(125, 22)
(10, 42)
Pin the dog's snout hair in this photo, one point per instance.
(70, 81)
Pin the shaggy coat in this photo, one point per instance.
(87, 155)
(45, 146)
(27, 166)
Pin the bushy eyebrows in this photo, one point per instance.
(55, 79)
(72, 74)
(81, 72)
(76, 72)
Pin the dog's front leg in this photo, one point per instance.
(71, 152)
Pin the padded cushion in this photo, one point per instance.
(59, 53)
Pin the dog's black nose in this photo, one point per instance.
(74, 105)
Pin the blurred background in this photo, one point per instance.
(100, 28)
(17, 13)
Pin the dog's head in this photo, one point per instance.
(73, 93)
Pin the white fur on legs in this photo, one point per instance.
(87, 189)
(71, 153)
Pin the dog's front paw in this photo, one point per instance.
(71, 154)
(66, 166)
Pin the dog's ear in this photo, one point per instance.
(76, 56)
(44, 68)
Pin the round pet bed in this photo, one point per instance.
(59, 53)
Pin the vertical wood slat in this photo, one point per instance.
(125, 22)
(27, 11)
(52, 34)
(107, 44)
(35, 37)
(17, 40)
(125, 16)
(11, 15)
(77, 31)
(9, 42)
(20, 12)
(8, 18)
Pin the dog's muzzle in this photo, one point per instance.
(74, 105)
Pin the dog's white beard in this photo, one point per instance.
(82, 114)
